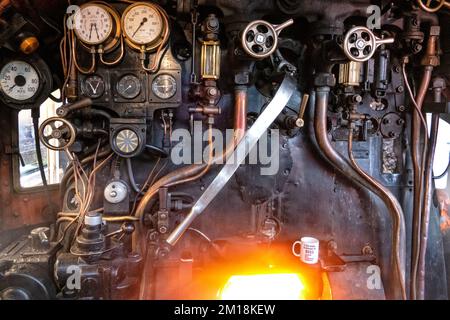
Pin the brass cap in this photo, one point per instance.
(29, 45)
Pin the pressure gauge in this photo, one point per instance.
(143, 25)
(129, 86)
(164, 86)
(93, 86)
(19, 80)
(126, 141)
(93, 24)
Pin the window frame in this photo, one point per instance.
(17, 187)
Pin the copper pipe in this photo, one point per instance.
(419, 166)
(426, 208)
(438, 85)
(240, 111)
(398, 235)
(4, 4)
(351, 171)
(196, 171)
(418, 175)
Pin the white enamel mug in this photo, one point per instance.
(309, 250)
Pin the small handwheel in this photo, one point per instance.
(360, 44)
(57, 133)
(260, 38)
(432, 5)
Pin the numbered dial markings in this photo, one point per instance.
(93, 24)
(19, 80)
(94, 86)
(142, 24)
(164, 86)
(129, 87)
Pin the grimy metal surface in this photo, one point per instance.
(250, 139)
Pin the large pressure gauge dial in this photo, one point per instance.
(19, 80)
(143, 25)
(93, 24)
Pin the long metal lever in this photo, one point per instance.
(249, 140)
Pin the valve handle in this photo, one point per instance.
(433, 5)
(57, 133)
(260, 38)
(360, 44)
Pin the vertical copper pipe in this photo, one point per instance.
(240, 111)
(438, 85)
(426, 207)
(418, 175)
(429, 60)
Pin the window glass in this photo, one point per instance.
(54, 161)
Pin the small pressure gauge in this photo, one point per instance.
(93, 86)
(164, 86)
(129, 86)
(19, 80)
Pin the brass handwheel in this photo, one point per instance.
(57, 133)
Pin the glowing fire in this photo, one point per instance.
(277, 286)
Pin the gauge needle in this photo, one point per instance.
(94, 91)
(11, 89)
(96, 87)
(90, 31)
(144, 20)
(130, 86)
(96, 31)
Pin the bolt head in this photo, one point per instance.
(260, 38)
(299, 123)
(162, 229)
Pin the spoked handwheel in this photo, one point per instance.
(260, 38)
(433, 5)
(57, 133)
(360, 44)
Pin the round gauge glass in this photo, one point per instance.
(142, 24)
(127, 141)
(94, 86)
(19, 80)
(93, 24)
(129, 86)
(164, 86)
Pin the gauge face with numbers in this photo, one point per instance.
(93, 24)
(164, 86)
(142, 24)
(19, 80)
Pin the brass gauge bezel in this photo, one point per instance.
(114, 36)
(151, 46)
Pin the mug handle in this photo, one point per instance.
(293, 248)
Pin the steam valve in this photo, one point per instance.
(260, 38)
(360, 44)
